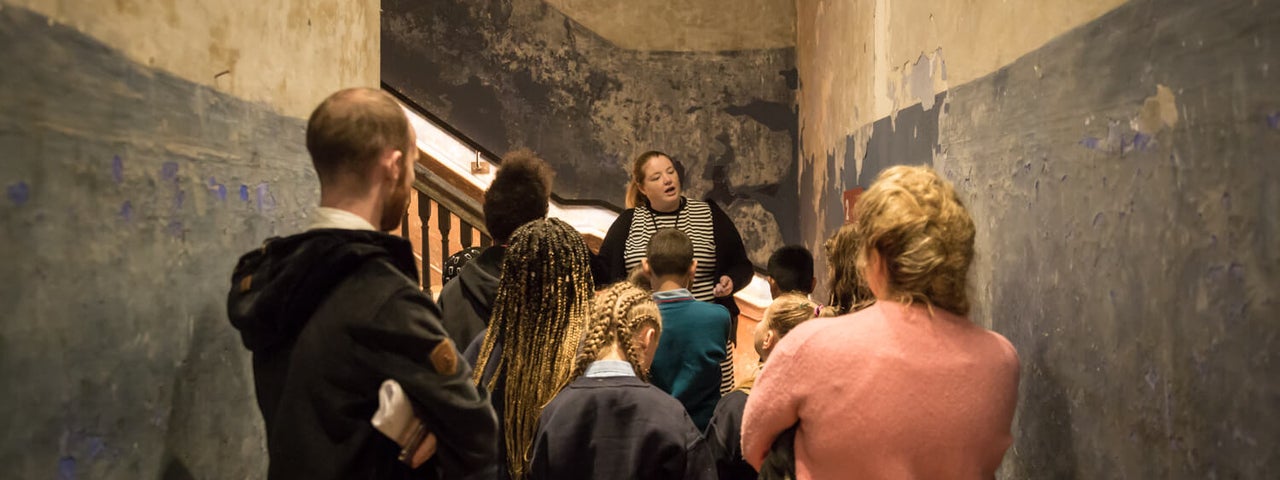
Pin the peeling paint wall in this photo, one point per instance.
(130, 191)
(520, 73)
(684, 26)
(1118, 159)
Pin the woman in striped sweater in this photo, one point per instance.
(655, 201)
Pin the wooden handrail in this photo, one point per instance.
(465, 207)
(454, 195)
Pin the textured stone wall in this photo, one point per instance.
(520, 73)
(1121, 174)
(129, 193)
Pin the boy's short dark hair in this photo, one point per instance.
(670, 253)
(791, 268)
(518, 195)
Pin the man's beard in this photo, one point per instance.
(393, 210)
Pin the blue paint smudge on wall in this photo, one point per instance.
(1273, 120)
(1236, 271)
(1142, 141)
(117, 169)
(179, 199)
(1090, 143)
(126, 211)
(96, 447)
(169, 171)
(66, 468)
(19, 193)
(244, 193)
(218, 189)
(265, 199)
(175, 229)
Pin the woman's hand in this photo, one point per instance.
(724, 288)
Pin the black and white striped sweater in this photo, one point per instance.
(717, 247)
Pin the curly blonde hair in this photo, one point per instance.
(923, 234)
(847, 289)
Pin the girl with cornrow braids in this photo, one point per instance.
(908, 387)
(608, 422)
(541, 308)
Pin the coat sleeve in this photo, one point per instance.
(731, 255)
(722, 437)
(776, 398)
(539, 465)
(698, 462)
(609, 265)
(405, 342)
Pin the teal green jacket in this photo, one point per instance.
(692, 345)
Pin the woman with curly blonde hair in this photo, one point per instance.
(908, 387)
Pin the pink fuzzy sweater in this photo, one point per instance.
(887, 393)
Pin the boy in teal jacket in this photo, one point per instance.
(695, 334)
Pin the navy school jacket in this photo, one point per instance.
(617, 427)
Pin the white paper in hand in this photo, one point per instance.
(396, 420)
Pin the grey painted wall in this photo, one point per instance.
(129, 194)
(518, 73)
(1127, 236)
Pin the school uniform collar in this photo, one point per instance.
(669, 296)
(609, 368)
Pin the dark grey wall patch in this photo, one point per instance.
(522, 74)
(130, 194)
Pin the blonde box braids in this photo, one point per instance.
(543, 301)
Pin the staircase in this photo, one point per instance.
(445, 215)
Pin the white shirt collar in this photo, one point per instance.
(326, 217)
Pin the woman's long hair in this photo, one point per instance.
(848, 291)
(542, 304)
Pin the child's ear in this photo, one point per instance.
(644, 266)
(649, 337)
(693, 268)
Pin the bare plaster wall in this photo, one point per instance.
(287, 53)
(1121, 173)
(132, 182)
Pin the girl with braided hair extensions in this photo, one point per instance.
(908, 387)
(541, 307)
(608, 421)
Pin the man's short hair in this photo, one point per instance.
(670, 253)
(353, 127)
(518, 195)
(791, 268)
